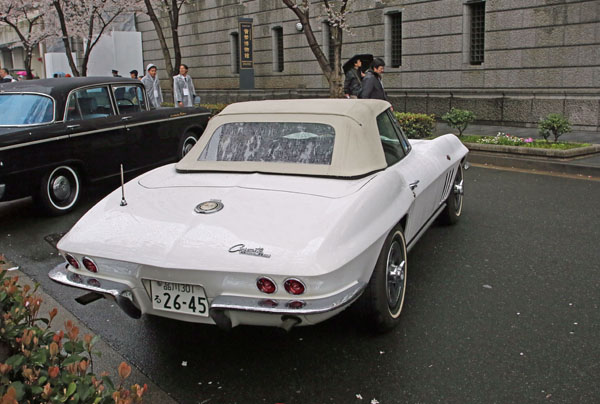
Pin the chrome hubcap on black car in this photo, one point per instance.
(61, 188)
(396, 267)
(189, 144)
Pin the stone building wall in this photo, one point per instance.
(540, 56)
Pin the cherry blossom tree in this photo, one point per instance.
(337, 12)
(27, 19)
(88, 20)
(172, 9)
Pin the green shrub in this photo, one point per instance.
(48, 367)
(459, 119)
(554, 124)
(214, 108)
(416, 126)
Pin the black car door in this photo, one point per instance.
(154, 139)
(97, 135)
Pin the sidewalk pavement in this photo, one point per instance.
(110, 359)
(584, 166)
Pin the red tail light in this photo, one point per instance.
(89, 264)
(266, 285)
(294, 286)
(72, 261)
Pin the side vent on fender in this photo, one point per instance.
(448, 184)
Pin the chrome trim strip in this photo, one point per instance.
(2, 190)
(51, 139)
(61, 274)
(121, 126)
(313, 306)
(427, 224)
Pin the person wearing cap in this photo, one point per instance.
(152, 85)
(133, 74)
(115, 73)
(183, 88)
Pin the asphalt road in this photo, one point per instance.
(501, 308)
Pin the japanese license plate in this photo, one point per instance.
(179, 298)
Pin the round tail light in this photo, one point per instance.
(294, 286)
(72, 261)
(89, 264)
(266, 285)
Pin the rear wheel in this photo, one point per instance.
(383, 299)
(454, 203)
(188, 141)
(59, 190)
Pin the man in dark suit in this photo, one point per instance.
(372, 87)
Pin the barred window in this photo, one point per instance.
(235, 52)
(278, 60)
(396, 39)
(477, 12)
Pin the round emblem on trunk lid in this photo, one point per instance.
(209, 207)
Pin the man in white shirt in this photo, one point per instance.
(183, 88)
(152, 85)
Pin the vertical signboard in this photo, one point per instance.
(246, 54)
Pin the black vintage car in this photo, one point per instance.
(56, 135)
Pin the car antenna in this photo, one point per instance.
(123, 201)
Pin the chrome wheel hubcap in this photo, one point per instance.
(61, 188)
(396, 266)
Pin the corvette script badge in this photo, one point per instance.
(256, 252)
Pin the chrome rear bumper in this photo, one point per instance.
(220, 306)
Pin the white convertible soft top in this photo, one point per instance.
(357, 149)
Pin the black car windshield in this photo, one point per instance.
(281, 142)
(25, 109)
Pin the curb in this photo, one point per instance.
(110, 359)
(532, 151)
(535, 163)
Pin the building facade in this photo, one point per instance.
(510, 61)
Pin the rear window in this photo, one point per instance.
(25, 109)
(271, 142)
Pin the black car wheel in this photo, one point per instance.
(60, 190)
(454, 203)
(187, 142)
(383, 299)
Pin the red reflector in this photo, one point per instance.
(72, 261)
(94, 282)
(266, 285)
(89, 265)
(294, 286)
(296, 304)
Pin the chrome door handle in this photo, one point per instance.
(71, 127)
(126, 118)
(413, 185)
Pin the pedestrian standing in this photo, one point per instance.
(152, 85)
(115, 73)
(372, 86)
(183, 88)
(5, 77)
(352, 84)
(133, 74)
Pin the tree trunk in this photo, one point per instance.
(65, 37)
(27, 61)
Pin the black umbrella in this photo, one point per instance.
(366, 60)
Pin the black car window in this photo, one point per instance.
(25, 109)
(129, 99)
(393, 147)
(89, 103)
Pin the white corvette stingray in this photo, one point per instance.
(284, 213)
